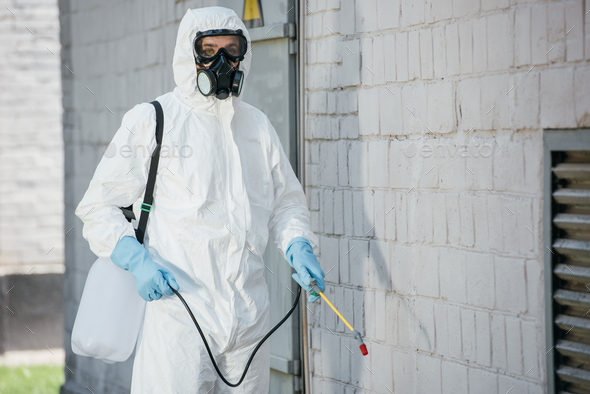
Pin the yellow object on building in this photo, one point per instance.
(253, 14)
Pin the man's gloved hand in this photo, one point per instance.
(300, 256)
(151, 279)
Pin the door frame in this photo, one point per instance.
(300, 23)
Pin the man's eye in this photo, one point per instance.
(209, 52)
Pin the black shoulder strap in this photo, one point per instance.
(148, 197)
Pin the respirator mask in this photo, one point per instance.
(213, 50)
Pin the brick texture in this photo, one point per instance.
(453, 97)
(31, 141)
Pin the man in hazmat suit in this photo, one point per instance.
(214, 210)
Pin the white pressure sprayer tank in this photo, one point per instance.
(110, 314)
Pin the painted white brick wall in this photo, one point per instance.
(31, 141)
(434, 188)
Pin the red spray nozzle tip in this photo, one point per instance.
(364, 350)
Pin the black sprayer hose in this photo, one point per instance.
(255, 349)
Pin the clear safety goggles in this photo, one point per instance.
(209, 44)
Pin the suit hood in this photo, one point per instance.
(183, 63)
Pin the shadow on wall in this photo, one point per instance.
(387, 312)
(371, 279)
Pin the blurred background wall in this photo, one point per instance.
(31, 181)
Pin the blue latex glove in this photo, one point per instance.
(300, 256)
(151, 278)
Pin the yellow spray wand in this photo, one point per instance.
(356, 334)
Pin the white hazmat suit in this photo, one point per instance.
(216, 201)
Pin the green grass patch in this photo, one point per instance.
(34, 379)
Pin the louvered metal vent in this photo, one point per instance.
(571, 270)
